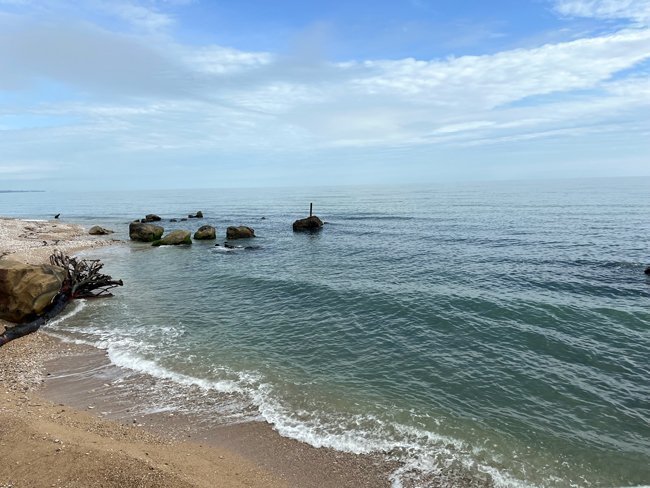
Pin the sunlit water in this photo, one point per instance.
(498, 330)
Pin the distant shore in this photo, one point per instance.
(59, 438)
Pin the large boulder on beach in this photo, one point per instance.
(26, 289)
(205, 232)
(174, 238)
(241, 232)
(308, 224)
(97, 230)
(145, 232)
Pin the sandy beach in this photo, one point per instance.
(50, 444)
(54, 433)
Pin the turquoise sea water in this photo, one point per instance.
(496, 330)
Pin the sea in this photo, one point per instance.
(493, 330)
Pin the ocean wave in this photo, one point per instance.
(421, 453)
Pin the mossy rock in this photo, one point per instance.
(205, 232)
(145, 232)
(175, 238)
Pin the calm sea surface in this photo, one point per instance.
(497, 330)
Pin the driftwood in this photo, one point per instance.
(83, 280)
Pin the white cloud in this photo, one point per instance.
(638, 10)
(146, 18)
(489, 81)
(222, 60)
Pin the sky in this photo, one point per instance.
(155, 94)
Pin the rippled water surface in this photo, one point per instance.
(498, 330)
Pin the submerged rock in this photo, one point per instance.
(308, 224)
(96, 230)
(174, 238)
(241, 232)
(26, 290)
(145, 232)
(647, 270)
(205, 232)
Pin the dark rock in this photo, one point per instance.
(308, 224)
(96, 230)
(145, 232)
(26, 290)
(173, 220)
(174, 238)
(241, 232)
(647, 270)
(151, 218)
(205, 232)
(183, 219)
(198, 215)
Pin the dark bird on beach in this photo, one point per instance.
(57, 216)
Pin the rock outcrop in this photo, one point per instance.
(145, 232)
(241, 232)
(197, 215)
(174, 238)
(26, 290)
(205, 232)
(97, 230)
(308, 224)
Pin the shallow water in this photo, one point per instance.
(499, 330)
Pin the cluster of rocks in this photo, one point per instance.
(143, 230)
(197, 215)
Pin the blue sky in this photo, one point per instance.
(104, 94)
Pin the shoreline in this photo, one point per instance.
(49, 427)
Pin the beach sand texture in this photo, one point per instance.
(49, 444)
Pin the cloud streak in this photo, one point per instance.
(638, 10)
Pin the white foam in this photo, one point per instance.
(134, 362)
(72, 309)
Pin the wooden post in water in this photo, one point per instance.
(311, 206)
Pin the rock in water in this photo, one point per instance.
(308, 224)
(174, 238)
(647, 270)
(241, 232)
(96, 230)
(205, 232)
(26, 290)
(145, 232)
(151, 218)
